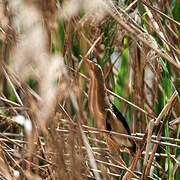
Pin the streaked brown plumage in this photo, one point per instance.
(105, 114)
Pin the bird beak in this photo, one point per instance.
(87, 61)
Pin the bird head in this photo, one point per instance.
(94, 67)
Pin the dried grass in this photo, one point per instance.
(46, 129)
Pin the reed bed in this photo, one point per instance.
(46, 129)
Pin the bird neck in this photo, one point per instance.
(98, 97)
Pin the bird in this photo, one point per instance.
(105, 114)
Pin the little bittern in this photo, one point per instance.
(105, 114)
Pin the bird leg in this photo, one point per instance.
(125, 149)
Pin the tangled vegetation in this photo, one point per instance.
(46, 129)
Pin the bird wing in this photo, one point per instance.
(121, 118)
(115, 124)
